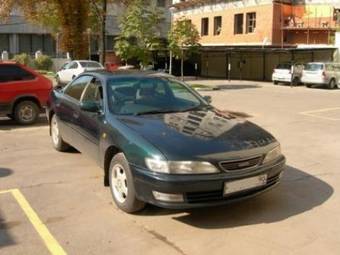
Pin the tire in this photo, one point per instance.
(308, 85)
(122, 185)
(57, 140)
(275, 82)
(332, 84)
(26, 112)
(296, 81)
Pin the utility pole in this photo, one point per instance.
(103, 33)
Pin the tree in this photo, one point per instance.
(69, 17)
(183, 40)
(140, 32)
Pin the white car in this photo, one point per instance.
(71, 70)
(324, 74)
(288, 73)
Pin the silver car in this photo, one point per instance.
(288, 73)
(324, 74)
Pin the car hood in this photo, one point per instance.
(201, 135)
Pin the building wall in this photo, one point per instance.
(264, 22)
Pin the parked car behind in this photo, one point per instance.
(72, 69)
(324, 74)
(23, 92)
(288, 73)
(160, 142)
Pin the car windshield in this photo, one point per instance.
(284, 66)
(150, 95)
(314, 67)
(88, 64)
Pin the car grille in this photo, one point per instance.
(240, 164)
(217, 195)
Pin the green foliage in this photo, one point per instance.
(23, 59)
(183, 38)
(43, 62)
(139, 32)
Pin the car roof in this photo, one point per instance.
(103, 74)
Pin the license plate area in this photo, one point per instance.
(244, 184)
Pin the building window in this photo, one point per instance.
(205, 26)
(238, 24)
(217, 25)
(161, 3)
(251, 22)
(4, 43)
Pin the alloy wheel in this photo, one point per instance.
(54, 130)
(119, 181)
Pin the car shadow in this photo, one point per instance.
(4, 172)
(298, 193)
(6, 239)
(9, 124)
(237, 86)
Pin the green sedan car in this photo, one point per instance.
(160, 142)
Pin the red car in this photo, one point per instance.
(23, 92)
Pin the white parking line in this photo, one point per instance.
(314, 113)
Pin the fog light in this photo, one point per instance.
(168, 197)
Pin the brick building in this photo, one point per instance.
(253, 36)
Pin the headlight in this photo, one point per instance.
(180, 167)
(272, 155)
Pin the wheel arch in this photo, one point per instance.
(110, 152)
(25, 98)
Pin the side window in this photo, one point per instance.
(10, 73)
(73, 65)
(76, 88)
(93, 92)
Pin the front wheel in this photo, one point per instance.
(26, 112)
(57, 140)
(275, 82)
(122, 185)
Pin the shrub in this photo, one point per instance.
(23, 59)
(43, 62)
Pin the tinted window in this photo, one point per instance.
(14, 73)
(76, 88)
(314, 67)
(140, 95)
(93, 92)
(90, 64)
(73, 65)
(284, 66)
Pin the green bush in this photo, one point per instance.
(43, 62)
(23, 59)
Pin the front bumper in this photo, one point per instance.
(201, 190)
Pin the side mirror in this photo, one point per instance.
(208, 99)
(90, 106)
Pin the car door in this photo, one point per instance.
(91, 122)
(68, 111)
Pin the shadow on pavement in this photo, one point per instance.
(238, 86)
(6, 238)
(298, 192)
(4, 172)
(9, 124)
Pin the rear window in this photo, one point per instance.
(284, 66)
(10, 73)
(313, 67)
(90, 64)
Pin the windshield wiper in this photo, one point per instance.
(155, 112)
(197, 108)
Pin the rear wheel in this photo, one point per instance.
(26, 112)
(308, 85)
(332, 84)
(57, 140)
(296, 81)
(275, 82)
(122, 185)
